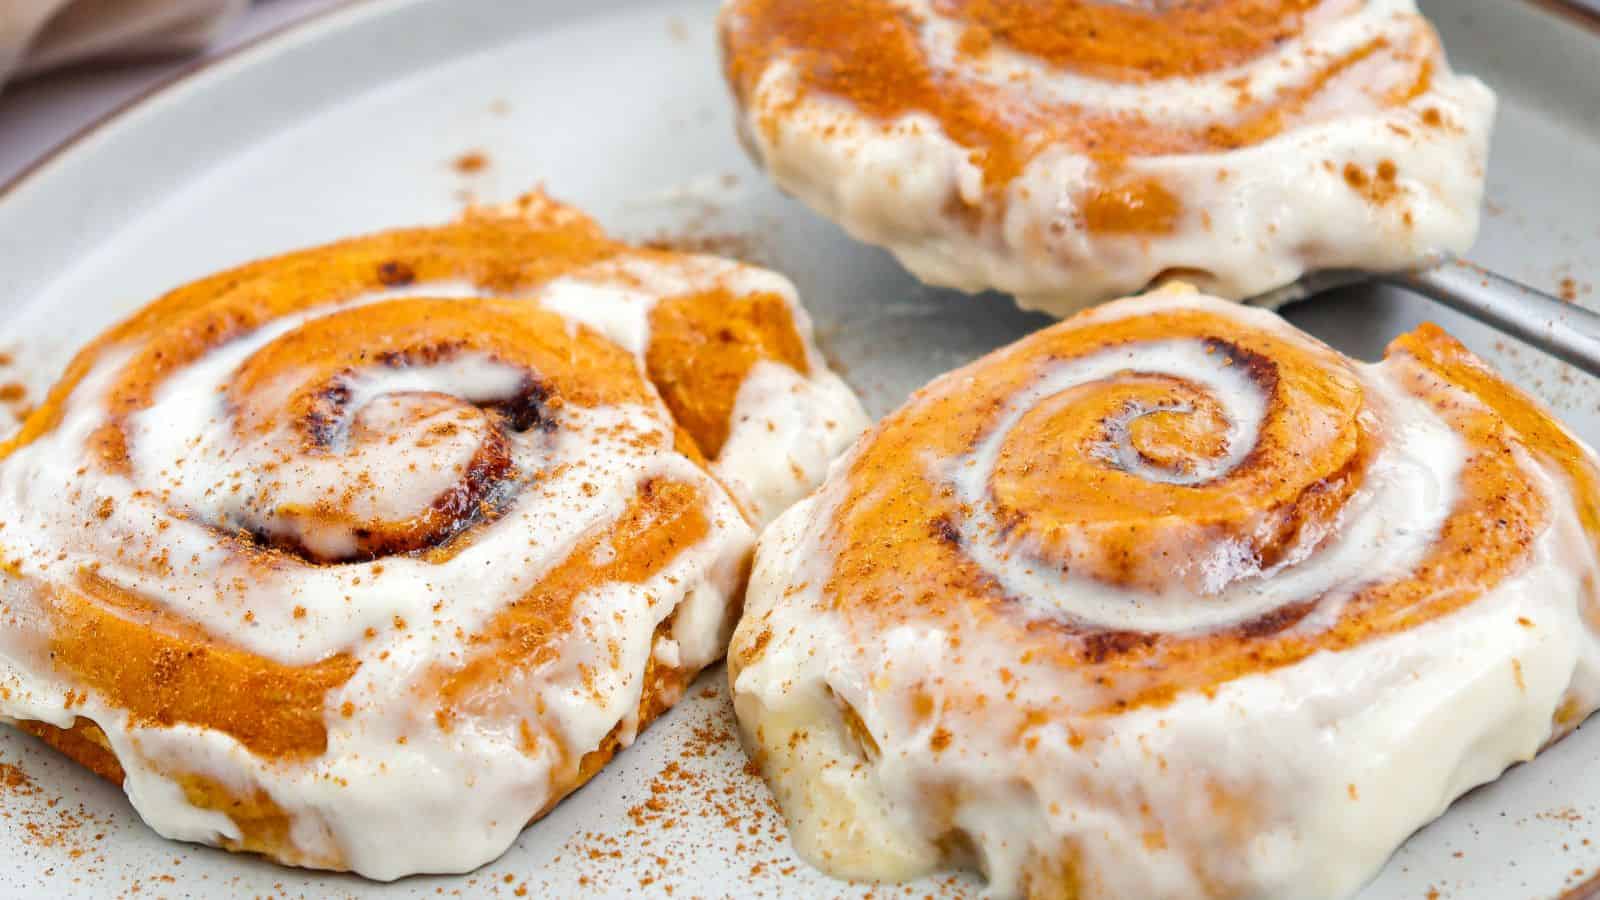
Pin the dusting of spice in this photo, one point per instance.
(16, 782)
(48, 824)
(731, 244)
(871, 54)
(1380, 185)
(706, 800)
(1571, 289)
(471, 163)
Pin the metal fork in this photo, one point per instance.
(1564, 330)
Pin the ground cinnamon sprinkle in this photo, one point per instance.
(706, 781)
(701, 225)
(730, 244)
(706, 801)
(471, 162)
(46, 823)
(1379, 186)
(16, 782)
(1571, 289)
(871, 54)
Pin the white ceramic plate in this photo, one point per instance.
(352, 123)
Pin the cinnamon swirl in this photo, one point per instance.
(1072, 151)
(1172, 601)
(365, 556)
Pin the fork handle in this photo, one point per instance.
(1564, 330)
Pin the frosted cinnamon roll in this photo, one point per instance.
(1171, 601)
(365, 556)
(1072, 151)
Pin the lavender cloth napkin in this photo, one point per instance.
(36, 35)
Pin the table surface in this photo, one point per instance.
(39, 113)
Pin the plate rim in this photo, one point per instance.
(1581, 15)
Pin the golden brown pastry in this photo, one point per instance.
(365, 556)
(1171, 600)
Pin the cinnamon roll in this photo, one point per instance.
(1072, 151)
(1171, 600)
(365, 556)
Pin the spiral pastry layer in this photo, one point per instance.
(365, 556)
(1072, 151)
(1172, 601)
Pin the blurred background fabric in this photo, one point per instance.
(37, 35)
(102, 54)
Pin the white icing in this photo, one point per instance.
(1188, 359)
(187, 441)
(1384, 529)
(1255, 219)
(786, 427)
(622, 315)
(1295, 782)
(391, 765)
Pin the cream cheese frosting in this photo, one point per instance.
(988, 144)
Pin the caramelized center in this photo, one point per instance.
(1181, 436)
(1141, 476)
(358, 453)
